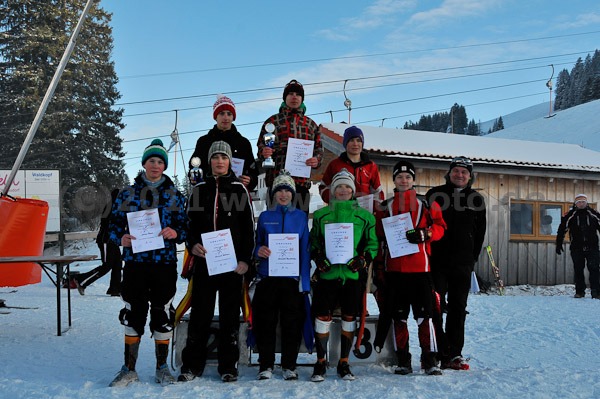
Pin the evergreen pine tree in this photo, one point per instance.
(459, 115)
(500, 124)
(577, 84)
(473, 128)
(79, 132)
(561, 98)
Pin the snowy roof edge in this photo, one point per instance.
(417, 145)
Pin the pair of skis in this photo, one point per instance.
(496, 271)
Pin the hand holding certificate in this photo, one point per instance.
(284, 260)
(145, 227)
(395, 228)
(339, 242)
(220, 253)
(298, 151)
(237, 166)
(366, 202)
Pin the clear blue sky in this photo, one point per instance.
(164, 50)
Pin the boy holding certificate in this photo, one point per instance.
(343, 242)
(220, 203)
(291, 122)
(150, 272)
(283, 275)
(405, 275)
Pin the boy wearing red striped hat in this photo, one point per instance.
(242, 156)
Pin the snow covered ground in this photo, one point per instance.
(535, 342)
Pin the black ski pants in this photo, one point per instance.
(592, 257)
(148, 286)
(278, 299)
(328, 294)
(453, 283)
(204, 293)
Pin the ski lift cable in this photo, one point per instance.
(358, 78)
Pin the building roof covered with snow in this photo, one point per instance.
(481, 149)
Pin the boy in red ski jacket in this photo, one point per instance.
(358, 163)
(406, 280)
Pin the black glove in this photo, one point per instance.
(322, 262)
(559, 249)
(357, 263)
(417, 236)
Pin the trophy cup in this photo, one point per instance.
(269, 138)
(196, 174)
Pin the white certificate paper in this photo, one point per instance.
(298, 151)
(395, 228)
(366, 202)
(285, 255)
(220, 253)
(145, 226)
(237, 166)
(339, 242)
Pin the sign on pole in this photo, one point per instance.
(37, 184)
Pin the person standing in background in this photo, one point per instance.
(583, 225)
(110, 254)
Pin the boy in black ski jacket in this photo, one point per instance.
(220, 202)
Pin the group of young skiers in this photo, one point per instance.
(346, 237)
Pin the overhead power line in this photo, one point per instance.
(355, 56)
(245, 91)
(369, 106)
(362, 122)
(353, 90)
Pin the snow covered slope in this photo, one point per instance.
(578, 125)
(521, 116)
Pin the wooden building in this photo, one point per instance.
(527, 187)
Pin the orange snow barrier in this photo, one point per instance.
(22, 230)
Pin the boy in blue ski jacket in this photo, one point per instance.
(280, 297)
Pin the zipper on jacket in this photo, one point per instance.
(283, 221)
(216, 207)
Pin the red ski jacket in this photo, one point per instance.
(366, 176)
(422, 217)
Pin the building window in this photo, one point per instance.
(536, 220)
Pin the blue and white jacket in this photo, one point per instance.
(171, 210)
(280, 220)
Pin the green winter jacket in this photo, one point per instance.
(365, 240)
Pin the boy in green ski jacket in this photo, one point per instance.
(337, 278)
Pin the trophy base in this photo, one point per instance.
(268, 163)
